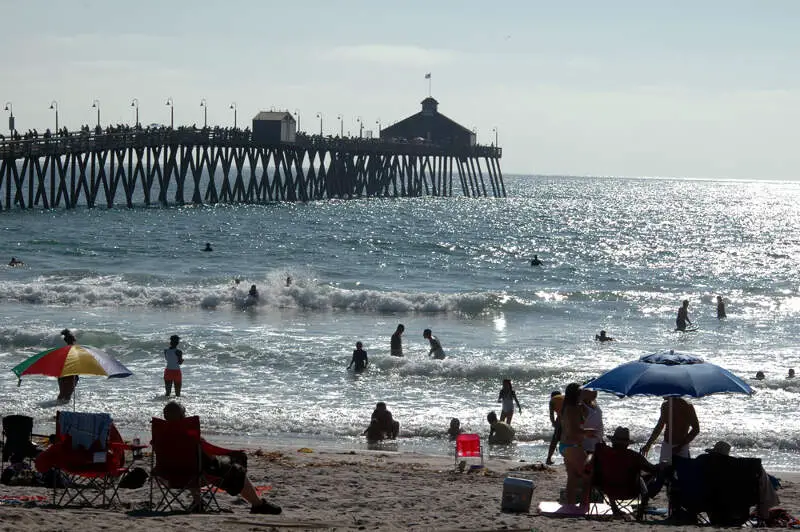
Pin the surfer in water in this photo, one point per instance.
(602, 337)
(359, 358)
(436, 347)
(683, 316)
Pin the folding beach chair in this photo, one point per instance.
(177, 466)
(468, 446)
(89, 454)
(17, 440)
(616, 475)
(713, 488)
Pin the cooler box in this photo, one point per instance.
(517, 494)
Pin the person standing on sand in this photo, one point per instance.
(680, 420)
(571, 444)
(172, 373)
(436, 347)
(554, 407)
(396, 343)
(721, 308)
(683, 316)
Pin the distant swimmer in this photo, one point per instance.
(760, 375)
(396, 343)
(208, 247)
(602, 337)
(288, 281)
(683, 316)
(721, 308)
(791, 374)
(15, 262)
(359, 358)
(253, 292)
(535, 261)
(436, 347)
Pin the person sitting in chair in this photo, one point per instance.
(618, 469)
(228, 467)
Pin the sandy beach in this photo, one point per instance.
(363, 490)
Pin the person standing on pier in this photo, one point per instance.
(396, 344)
(172, 373)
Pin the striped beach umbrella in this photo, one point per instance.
(72, 360)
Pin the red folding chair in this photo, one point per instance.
(85, 473)
(177, 466)
(469, 446)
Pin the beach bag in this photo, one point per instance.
(134, 479)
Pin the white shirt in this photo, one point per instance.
(594, 420)
(171, 355)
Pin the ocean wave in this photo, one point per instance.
(86, 290)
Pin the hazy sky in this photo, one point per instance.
(632, 88)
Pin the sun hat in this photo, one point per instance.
(621, 434)
(721, 447)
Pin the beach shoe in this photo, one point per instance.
(266, 507)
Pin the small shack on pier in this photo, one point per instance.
(274, 127)
(429, 126)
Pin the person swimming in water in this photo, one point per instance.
(253, 292)
(721, 308)
(535, 261)
(396, 342)
(683, 316)
(436, 347)
(359, 358)
(602, 337)
(15, 262)
(208, 247)
(289, 280)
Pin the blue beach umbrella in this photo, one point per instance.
(669, 374)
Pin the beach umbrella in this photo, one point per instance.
(72, 360)
(669, 374)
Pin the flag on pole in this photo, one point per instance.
(428, 75)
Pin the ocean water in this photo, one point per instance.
(619, 254)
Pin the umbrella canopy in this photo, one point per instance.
(72, 360)
(669, 374)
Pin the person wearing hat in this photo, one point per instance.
(620, 466)
(172, 373)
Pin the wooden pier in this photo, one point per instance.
(141, 167)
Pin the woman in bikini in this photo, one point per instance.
(571, 444)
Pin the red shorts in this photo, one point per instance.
(173, 375)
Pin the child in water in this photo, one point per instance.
(359, 358)
(508, 397)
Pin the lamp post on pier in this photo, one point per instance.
(135, 103)
(360, 127)
(341, 126)
(474, 136)
(233, 106)
(171, 106)
(54, 106)
(297, 115)
(10, 108)
(205, 112)
(495, 136)
(378, 123)
(319, 115)
(96, 105)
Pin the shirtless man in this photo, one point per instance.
(681, 428)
